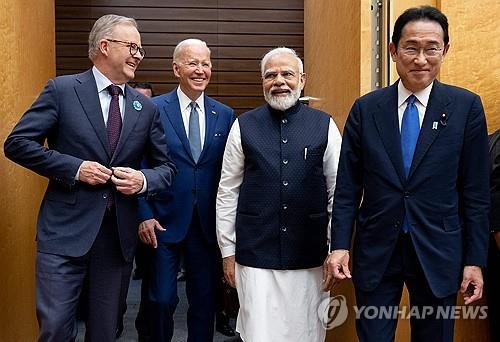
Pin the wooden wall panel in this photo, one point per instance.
(238, 33)
(26, 67)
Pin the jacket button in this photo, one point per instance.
(193, 191)
(284, 140)
(284, 121)
(407, 194)
(283, 229)
(285, 161)
(284, 206)
(104, 196)
(285, 183)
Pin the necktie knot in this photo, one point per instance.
(114, 90)
(411, 99)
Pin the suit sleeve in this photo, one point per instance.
(495, 184)
(349, 183)
(474, 184)
(160, 169)
(25, 144)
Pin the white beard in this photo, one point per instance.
(283, 102)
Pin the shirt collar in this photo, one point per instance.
(103, 82)
(185, 101)
(422, 95)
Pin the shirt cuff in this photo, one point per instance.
(228, 251)
(144, 184)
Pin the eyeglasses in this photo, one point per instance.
(429, 52)
(133, 47)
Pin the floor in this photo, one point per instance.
(180, 333)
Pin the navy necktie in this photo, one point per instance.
(410, 129)
(194, 132)
(114, 126)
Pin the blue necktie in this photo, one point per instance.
(410, 129)
(194, 132)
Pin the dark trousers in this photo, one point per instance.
(143, 259)
(403, 268)
(493, 289)
(202, 262)
(59, 282)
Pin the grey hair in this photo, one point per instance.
(184, 44)
(103, 28)
(280, 51)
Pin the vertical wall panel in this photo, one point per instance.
(239, 33)
(473, 60)
(28, 62)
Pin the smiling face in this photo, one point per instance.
(282, 81)
(416, 69)
(193, 68)
(119, 65)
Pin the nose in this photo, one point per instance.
(279, 80)
(420, 58)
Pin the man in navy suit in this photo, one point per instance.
(98, 130)
(413, 176)
(196, 129)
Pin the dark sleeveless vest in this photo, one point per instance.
(282, 218)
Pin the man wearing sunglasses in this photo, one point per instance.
(98, 130)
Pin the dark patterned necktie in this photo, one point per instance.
(114, 126)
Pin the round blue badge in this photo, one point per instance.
(137, 105)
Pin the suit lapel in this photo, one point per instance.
(386, 120)
(86, 91)
(131, 112)
(437, 105)
(174, 115)
(210, 123)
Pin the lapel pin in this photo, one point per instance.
(435, 125)
(137, 105)
(443, 119)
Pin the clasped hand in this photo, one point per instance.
(127, 180)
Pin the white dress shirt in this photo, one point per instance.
(184, 103)
(421, 103)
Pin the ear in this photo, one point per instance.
(393, 50)
(302, 80)
(175, 68)
(445, 49)
(104, 47)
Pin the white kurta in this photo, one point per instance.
(275, 305)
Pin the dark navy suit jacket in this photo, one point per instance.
(68, 115)
(198, 182)
(445, 197)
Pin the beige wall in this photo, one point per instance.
(27, 39)
(337, 61)
(473, 61)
